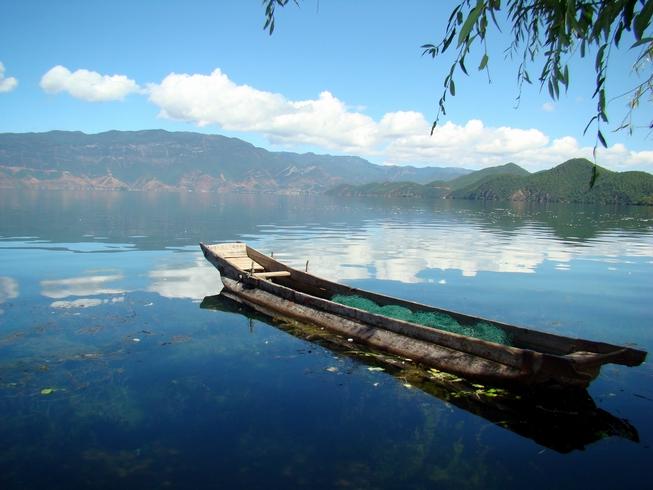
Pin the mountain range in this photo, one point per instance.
(570, 181)
(162, 160)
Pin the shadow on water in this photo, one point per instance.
(562, 422)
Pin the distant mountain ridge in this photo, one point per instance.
(162, 160)
(567, 182)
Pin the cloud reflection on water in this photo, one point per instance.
(194, 281)
(81, 286)
(401, 252)
(8, 290)
(85, 302)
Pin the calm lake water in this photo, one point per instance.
(113, 376)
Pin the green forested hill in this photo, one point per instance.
(624, 187)
(568, 182)
(393, 189)
(485, 174)
(435, 189)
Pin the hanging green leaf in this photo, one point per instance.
(469, 23)
(447, 42)
(644, 40)
(462, 66)
(643, 19)
(599, 57)
(484, 61)
(595, 174)
(599, 134)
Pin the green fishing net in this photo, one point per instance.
(480, 330)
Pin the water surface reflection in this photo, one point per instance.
(111, 375)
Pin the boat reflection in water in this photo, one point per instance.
(562, 421)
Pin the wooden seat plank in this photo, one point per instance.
(265, 275)
(246, 264)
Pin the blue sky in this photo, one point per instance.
(337, 76)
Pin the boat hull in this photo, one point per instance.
(433, 355)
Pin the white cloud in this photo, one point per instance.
(88, 85)
(472, 145)
(548, 107)
(404, 123)
(510, 140)
(641, 157)
(6, 84)
(328, 123)
(616, 157)
(401, 137)
(215, 99)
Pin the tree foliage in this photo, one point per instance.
(553, 31)
(270, 6)
(550, 32)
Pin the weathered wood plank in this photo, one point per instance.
(245, 263)
(265, 275)
(225, 249)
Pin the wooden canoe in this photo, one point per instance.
(534, 359)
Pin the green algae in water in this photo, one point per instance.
(480, 330)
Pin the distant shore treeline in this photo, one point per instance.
(156, 160)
